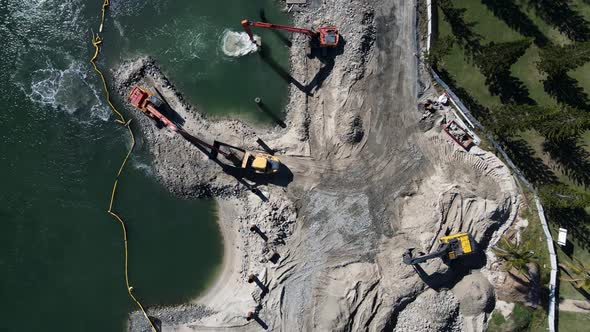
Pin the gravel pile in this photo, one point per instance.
(431, 311)
(167, 316)
(475, 294)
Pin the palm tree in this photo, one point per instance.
(515, 256)
(579, 274)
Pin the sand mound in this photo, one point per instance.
(351, 127)
(475, 294)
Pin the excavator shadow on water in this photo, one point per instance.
(325, 43)
(279, 35)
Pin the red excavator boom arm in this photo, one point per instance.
(141, 99)
(247, 23)
(326, 36)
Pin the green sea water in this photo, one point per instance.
(61, 254)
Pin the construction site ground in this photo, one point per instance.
(367, 175)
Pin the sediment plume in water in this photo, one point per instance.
(238, 44)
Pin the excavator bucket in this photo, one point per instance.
(407, 256)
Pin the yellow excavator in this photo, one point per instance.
(258, 162)
(261, 163)
(450, 248)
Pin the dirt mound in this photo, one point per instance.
(352, 127)
(475, 294)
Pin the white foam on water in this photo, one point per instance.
(128, 7)
(142, 166)
(48, 68)
(237, 44)
(195, 45)
(181, 40)
(119, 27)
(67, 90)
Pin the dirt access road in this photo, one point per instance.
(371, 176)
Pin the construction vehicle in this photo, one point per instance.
(148, 103)
(450, 248)
(459, 134)
(260, 163)
(324, 37)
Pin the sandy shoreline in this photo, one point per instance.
(229, 297)
(231, 260)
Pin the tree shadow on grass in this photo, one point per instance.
(559, 14)
(566, 90)
(572, 159)
(481, 112)
(510, 13)
(523, 156)
(510, 89)
(463, 31)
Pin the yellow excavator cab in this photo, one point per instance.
(259, 164)
(459, 244)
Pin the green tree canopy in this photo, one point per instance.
(557, 60)
(554, 123)
(563, 123)
(558, 196)
(508, 120)
(495, 59)
(441, 48)
(515, 256)
(462, 29)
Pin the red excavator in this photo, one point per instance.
(148, 104)
(326, 36)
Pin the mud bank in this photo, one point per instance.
(367, 175)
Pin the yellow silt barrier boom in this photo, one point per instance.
(96, 42)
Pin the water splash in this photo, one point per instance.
(68, 90)
(237, 44)
(46, 56)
